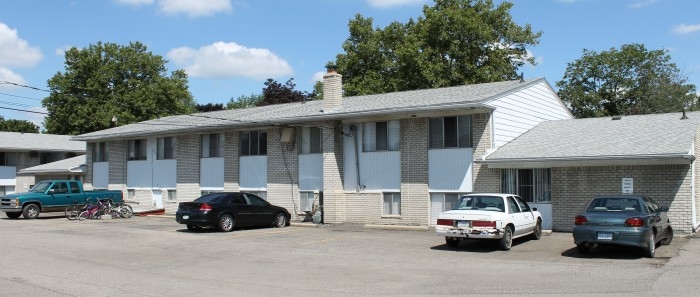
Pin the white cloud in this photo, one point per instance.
(62, 50)
(228, 59)
(15, 51)
(191, 8)
(392, 3)
(318, 76)
(8, 75)
(686, 29)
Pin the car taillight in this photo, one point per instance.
(445, 222)
(634, 222)
(205, 207)
(580, 220)
(491, 224)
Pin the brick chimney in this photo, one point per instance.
(332, 89)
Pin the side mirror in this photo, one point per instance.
(52, 191)
(664, 208)
(534, 209)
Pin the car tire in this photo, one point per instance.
(507, 240)
(650, 250)
(280, 221)
(668, 237)
(13, 215)
(226, 223)
(30, 211)
(452, 242)
(537, 233)
(582, 249)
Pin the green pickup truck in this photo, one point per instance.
(52, 196)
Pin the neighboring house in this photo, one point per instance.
(23, 150)
(650, 155)
(71, 168)
(397, 158)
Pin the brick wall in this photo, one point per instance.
(117, 164)
(188, 148)
(484, 179)
(669, 185)
(415, 198)
(334, 198)
(695, 195)
(282, 173)
(231, 163)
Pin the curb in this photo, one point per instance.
(397, 227)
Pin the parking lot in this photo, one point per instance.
(155, 256)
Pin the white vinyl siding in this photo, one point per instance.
(518, 112)
(379, 170)
(253, 173)
(211, 173)
(100, 175)
(311, 172)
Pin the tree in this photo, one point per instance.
(244, 101)
(631, 80)
(21, 126)
(455, 42)
(276, 93)
(106, 81)
(210, 107)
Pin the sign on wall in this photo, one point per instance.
(627, 185)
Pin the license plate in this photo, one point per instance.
(185, 217)
(464, 224)
(604, 236)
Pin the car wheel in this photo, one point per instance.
(13, 215)
(31, 211)
(582, 249)
(537, 233)
(668, 237)
(650, 250)
(452, 242)
(226, 223)
(280, 221)
(507, 239)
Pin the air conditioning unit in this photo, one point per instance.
(287, 135)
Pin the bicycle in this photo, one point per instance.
(91, 211)
(73, 210)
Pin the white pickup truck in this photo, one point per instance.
(501, 217)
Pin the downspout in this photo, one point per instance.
(693, 212)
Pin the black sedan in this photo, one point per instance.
(628, 220)
(226, 210)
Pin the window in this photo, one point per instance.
(74, 187)
(392, 204)
(307, 201)
(99, 152)
(172, 195)
(137, 149)
(261, 194)
(8, 159)
(310, 140)
(167, 148)
(213, 145)
(254, 143)
(380, 136)
(60, 188)
(513, 205)
(207, 192)
(130, 194)
(449, 132)
(255, 200)
(533, 185)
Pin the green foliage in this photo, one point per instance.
(244, 101)
(318, 91)
(276, 93)
(21, 126)
(455, 42)
(631, 80)
(106, 81)
(210, 107)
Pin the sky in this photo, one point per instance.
(229, 48)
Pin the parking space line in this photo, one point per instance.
(326, 240)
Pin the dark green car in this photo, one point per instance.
(627, 220)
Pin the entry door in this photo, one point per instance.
(545, 209)
(158, 197)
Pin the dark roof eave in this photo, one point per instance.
(548, 162)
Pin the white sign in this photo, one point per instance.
(627, 185)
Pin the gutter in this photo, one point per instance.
(572, 161)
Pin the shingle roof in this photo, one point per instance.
(655, 135)
(70, 165)
(352, 107)
(14, 141)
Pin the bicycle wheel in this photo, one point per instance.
(126, 211)
(72, 212)
(83, 215)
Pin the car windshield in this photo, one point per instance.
(490, 203)
(211, 198)
(614, 204)
(40, 187)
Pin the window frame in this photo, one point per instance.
(206, 148)
(142, 153)
(306, 200)
(393, 197)
(100, 152)
(311, 139)
(457, 126)
(250, 147)
(381, 136)
(166, 148)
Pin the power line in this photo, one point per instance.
(17, 96)
(23, 86)
(15, 109)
